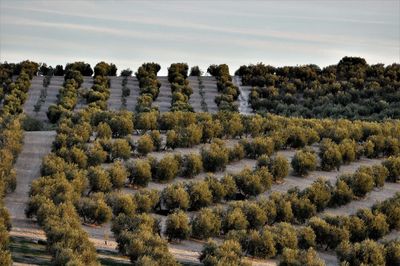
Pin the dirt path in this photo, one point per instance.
(329, 257)
(244, 105)
(195, 98)
(33, 95)
(131, 100)
(164, 98)
(114, 101)
(36, 145)
(210, 91)
(393, 235)
(377, 195)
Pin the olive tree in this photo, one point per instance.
(192, 164)
(175, 197)
(120, 148)
(215, 157)
(199, 194)
(206, 223)
(303, 162)
(234, 219)
(330, 155)
(177, 226)
(217, 188)
(167, 168)
(99, 179)
(139, 172)
(393, 166)
(94, 209)
(145, 145)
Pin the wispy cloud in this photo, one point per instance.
(159, 36)
(264, 32)
(235, 32)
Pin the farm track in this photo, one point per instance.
(164, 98)
(377, 195)
(33, 95)
(210, 92)
(131, 100)
(114, 101)
(37, 144)
(244, 105)
(195, 98)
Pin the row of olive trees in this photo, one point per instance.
(99, 93)
(295, 206)
(125, 90)
(149, 86)
(373, 223)
(245, 184)
(11, 135)
(16, 93)
(380, 139)
(56, 196)
(239, 223)
(229, 92)
(67, 97)
(367, 252)
(180, 88)
(214, 158)
(279, 242)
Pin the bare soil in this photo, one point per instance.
(195, 99)
(164, 98)
(114, 101)
(210, 92)
(36, 145)
(131, 100)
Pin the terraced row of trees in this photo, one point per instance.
(181, 91)
(11, 137)
(230, 92)
(149, 86)
(67, 97)
(98, 95)
(293, 207)
(349, 235)
(351, 89)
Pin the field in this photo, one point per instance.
(136, 177)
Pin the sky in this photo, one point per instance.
(129, 33)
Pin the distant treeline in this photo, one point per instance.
(351, 89)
